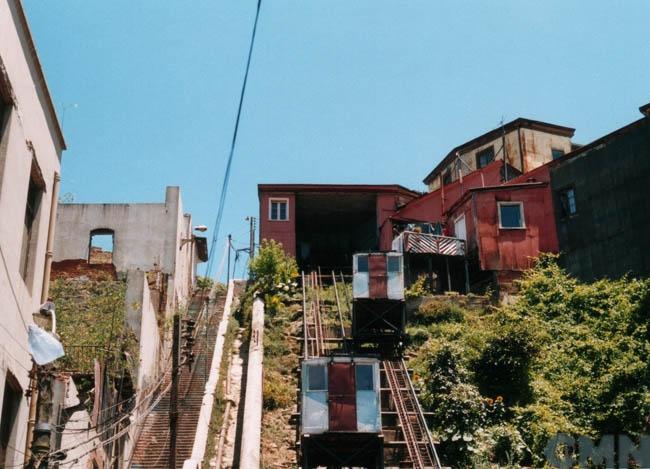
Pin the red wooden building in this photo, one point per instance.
(500, 227)
(325, 224)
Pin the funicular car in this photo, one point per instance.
(340, 423)
(378, 308)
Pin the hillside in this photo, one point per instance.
(566, 357)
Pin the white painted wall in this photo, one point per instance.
(31, 120)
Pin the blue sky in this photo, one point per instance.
(362, 91)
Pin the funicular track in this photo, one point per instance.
(407, 439)
(410, 416)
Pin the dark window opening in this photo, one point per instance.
(393, 264)
(278, 210)
(35, 191)
(316, 378)
(446, 177)
(568, 202)
(101, 247)
(511, 215)
(4, 114)
(484, 157)
(362, 263)
(557, 153)
(364, 378)
(10, 406)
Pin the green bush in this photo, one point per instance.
(204, 283)
(565, 357)
(503, 367)
(419, 288)
(443, 311)
(276, 392)
(273, 275)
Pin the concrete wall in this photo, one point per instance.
(30, 134)
(142, 318)
(146, 235)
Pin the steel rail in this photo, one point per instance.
(338, 304)
(305, 325)
(422, 453)
(423, 422)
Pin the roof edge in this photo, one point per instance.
(41, 75)
(337, 188)
(520, 122)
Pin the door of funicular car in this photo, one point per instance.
(378, 276)
(342, 397)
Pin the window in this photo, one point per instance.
(362, 263)
(484, 157)
(511, 215)
(446, 177)
(35, 191)
(568, 202)
(557, 153)
(364, 378)
(278, 209)
(100, 250)
(10, 405)
(393, 263)
(316, 378)
(4, 114)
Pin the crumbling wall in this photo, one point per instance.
(145, 235)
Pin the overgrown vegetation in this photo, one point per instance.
(204, 284)
(566, 357)
(91, 322)
(273, 277)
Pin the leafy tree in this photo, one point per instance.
(273, 274)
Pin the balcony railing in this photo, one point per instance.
(423, 243)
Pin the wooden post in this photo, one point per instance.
(448, 274)
(466, 276)
(173, 394)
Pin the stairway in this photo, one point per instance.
(152, 447)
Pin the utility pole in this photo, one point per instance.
(173, 395)
(229, 249)
(505, 153)
(251, 252)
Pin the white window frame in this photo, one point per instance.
(457, 219)
(278, 199)
(521, 212)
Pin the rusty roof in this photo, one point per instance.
(495, 133)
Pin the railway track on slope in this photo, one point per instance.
(323, 331)
(416, 435)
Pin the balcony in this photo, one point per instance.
(423, 243)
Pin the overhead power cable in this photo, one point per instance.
(226, 176)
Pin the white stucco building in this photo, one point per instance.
(31, 144)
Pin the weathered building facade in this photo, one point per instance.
(324, 224)
(524, 144)
(149, 249)
(602, 204)
(31, 144)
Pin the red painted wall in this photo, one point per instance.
(512, 249)
(429, 207)
(281, 231)
(386, 207)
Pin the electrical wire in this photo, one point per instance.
(226, 177)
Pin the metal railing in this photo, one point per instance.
(425, 243)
